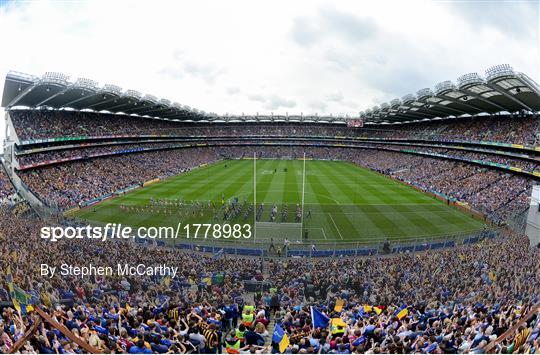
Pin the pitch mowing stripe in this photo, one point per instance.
(418, 223)
(362, 220)
(238, 183)
(400, 190)
(265, 175)
(337, 188)
(293, 195)
(169, 188)
(359, 223)
(325, 182)
(386, 220)
(446, 216)
(442, 222)
(362, 192)
(193, 175)
(342, 168)
(414, 222)
(323, 221)
(434, 216)
(392, 194)
(337, 173)
(355, 193)
(274, 186)
(317, 189)
(210, 184)
(382, 221)
(242, 188)
(346, 227)
(335, 225)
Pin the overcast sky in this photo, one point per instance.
(321, 57)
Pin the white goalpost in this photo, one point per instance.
(254, 195)
(303, 193)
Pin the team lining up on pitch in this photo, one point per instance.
(342, 203)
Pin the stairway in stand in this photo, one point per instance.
(270, 329)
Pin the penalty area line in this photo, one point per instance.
(316, 228)
(335, 225)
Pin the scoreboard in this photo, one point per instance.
(357, 123)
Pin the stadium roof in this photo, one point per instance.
(502, 90)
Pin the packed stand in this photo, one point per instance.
(6, 188)
(445, 301)
(41, 124)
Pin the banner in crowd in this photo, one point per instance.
(319, 319)
(150, 182)
(281, 338)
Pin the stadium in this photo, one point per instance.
(397, 179)
(131, 223)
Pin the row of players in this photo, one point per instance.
(229, 209)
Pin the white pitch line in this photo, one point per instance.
(335, 225)
(317, 228)
(323, 233)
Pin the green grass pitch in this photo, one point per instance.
(346, 203)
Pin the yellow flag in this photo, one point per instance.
(368, 308)
(402, 313)
(338, 322)
(16, 305)
(339, 305)
(167, 281)
(492, 276)
(284, 343)
(46, 299)
(521, 338)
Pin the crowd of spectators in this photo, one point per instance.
(457, 301)
(41, 124)
(32, 124)
(66, 185)
(6, 188)
(86, 151)
(101, 150)
(528, 164)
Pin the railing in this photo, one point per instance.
(368, 246)
(512, 334)
(518, 222)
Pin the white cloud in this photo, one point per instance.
(244, 56)
(233, 90)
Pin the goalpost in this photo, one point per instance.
(254, 195)
(303, 192)
(277, 230)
